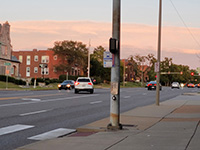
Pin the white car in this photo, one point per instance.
(84, 84)
(175, 85)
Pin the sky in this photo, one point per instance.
(38, 24)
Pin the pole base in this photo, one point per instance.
(110, 127)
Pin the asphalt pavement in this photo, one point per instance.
(173, 125)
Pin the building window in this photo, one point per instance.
(55, 57)
(45, 59)
(28, 71)
(45, 71)
(21, 58)
(36, 58)
(28, 60)
(12, 70)
(35, 69)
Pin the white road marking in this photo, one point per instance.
(127, 96)
(14, 128)
(31, 99)
(96, 102)
(144, 94)
(45, 101)
(32, 113)
(52, 134)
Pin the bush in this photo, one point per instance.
(12, 80)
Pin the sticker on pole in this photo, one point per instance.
(107, 60)
(114, 88)
(157, 67)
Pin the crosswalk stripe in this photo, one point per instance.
(52, 134)
(14, 128)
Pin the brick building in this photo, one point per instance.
(9, 65)
(41, 64)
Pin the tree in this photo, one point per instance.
(71, 53)
(96, 65)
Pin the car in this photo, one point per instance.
(67, 84)
(197, 85)
(84, 84)
(190, 85)
(175, 85)
(152, 85)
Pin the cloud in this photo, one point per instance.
(135, 38)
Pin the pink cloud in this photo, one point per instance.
(135, 38)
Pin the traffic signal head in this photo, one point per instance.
(113, 45)
(192, 73)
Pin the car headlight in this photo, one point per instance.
(59, 85)
(68, 85)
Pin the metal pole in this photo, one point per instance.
(124, 74)
(158, 55)
(89, 60)
(115, 71)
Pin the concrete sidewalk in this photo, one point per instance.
(174, 125)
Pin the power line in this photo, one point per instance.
(184, 23)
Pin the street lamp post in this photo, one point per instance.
(158, 55)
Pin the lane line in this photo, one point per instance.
(52, 134)
(14, 128)
(45, 101)
(30, 99)
(127, 96)
(33, 113)
(96, 102)
(7, 98)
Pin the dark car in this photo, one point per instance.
(190, 85)
(67, 84)
(152, 85)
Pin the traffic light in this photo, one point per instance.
(192, 73)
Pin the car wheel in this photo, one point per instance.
(91, 91)
(75, 91)
(59, 89)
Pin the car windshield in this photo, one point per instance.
(67, 82)
(83, 80)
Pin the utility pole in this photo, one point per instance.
(89, 60)
(115, 70)
(158, 55)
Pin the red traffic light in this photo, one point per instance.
(192, 73)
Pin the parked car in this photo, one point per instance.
(190, 85)
(175, 85)
(152, 85)
(67, 84)
(84, 84)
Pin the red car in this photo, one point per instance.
(190, 85)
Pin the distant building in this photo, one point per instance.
(42, 64)
(130, 72)
(8, 65)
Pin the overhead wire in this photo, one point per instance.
(185, 23)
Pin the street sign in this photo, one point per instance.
(107, 60)
(7, 64)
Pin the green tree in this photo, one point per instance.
(71, 53)
(96, 65)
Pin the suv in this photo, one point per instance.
(84, 84)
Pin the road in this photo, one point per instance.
(28, 116)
